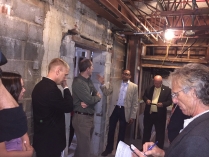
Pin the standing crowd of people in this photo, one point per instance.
(189, 92)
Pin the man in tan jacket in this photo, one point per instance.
(123, 107)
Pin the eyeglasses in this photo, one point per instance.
(126, 74)
(175, 94)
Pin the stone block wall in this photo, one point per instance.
(21, 40)
(32, 32)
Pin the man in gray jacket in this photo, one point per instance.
(123, 107)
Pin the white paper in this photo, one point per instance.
(123, 150)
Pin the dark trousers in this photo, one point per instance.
(159, 122)
(71, 131)
(117, 115)
(48, 154)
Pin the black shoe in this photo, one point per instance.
(106, 152)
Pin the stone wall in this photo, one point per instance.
(32, 32)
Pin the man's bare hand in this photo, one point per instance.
(83, 105)
(131, 121)
(100, 79)
(64, 84)
(99, 95)
(159, 104)
(149, 102)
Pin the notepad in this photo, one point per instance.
(123, 150)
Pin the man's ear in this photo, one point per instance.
(87, 69)
(193, 92)
(57, 71)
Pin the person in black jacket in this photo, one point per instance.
(176, 122)
(190, 91)
(157, 99)
(49, 108)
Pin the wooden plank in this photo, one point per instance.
(91, 45)
(170, 59)
(178, 45)
(199, 11)
(207, 55)
(159, 66)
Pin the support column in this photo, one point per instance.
(67, 53)
(102, 64)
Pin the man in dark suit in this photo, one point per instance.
(49, 108)
(157, 98)
(176, 122)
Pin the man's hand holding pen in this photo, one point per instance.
(149, 148)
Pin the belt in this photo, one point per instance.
(88, 114)
(119, 106)
(154, 113)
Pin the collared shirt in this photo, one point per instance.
(122, 94)
(84, 91)
(187, 121)
(155, 98)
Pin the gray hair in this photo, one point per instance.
(195, 76)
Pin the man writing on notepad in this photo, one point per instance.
(157, 98)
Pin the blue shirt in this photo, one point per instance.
(122, 94)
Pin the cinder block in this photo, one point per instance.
(15, 66)
(11, 48)
(29, 85)
(31, 51)
(35, 34)
(27, 106)
(13, 28)
(31, 73)
(27, 11)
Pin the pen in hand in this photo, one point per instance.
(150, 148)
(132, 147)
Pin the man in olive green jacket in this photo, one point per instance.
(123, 107)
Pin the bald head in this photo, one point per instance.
(158, 81)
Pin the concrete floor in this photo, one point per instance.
(136, 143)
(72, 147)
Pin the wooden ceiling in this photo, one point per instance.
(188, 19)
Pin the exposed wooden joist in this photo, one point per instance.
(84, 43)
(102, 12)
(173, 59)
(191, 28)
(178, 45)
(159, 66)
(184, 12)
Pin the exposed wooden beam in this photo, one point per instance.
(159, 66)
(178, 45)
(184, 12)
(84, 43)
(207, 54)
(173, 59)
(102, 12)
(191, 28)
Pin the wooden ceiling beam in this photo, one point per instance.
(184, 12)
(102, 12)
(178, 45)
(159, 66)
(173, 59)
(191, 28)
